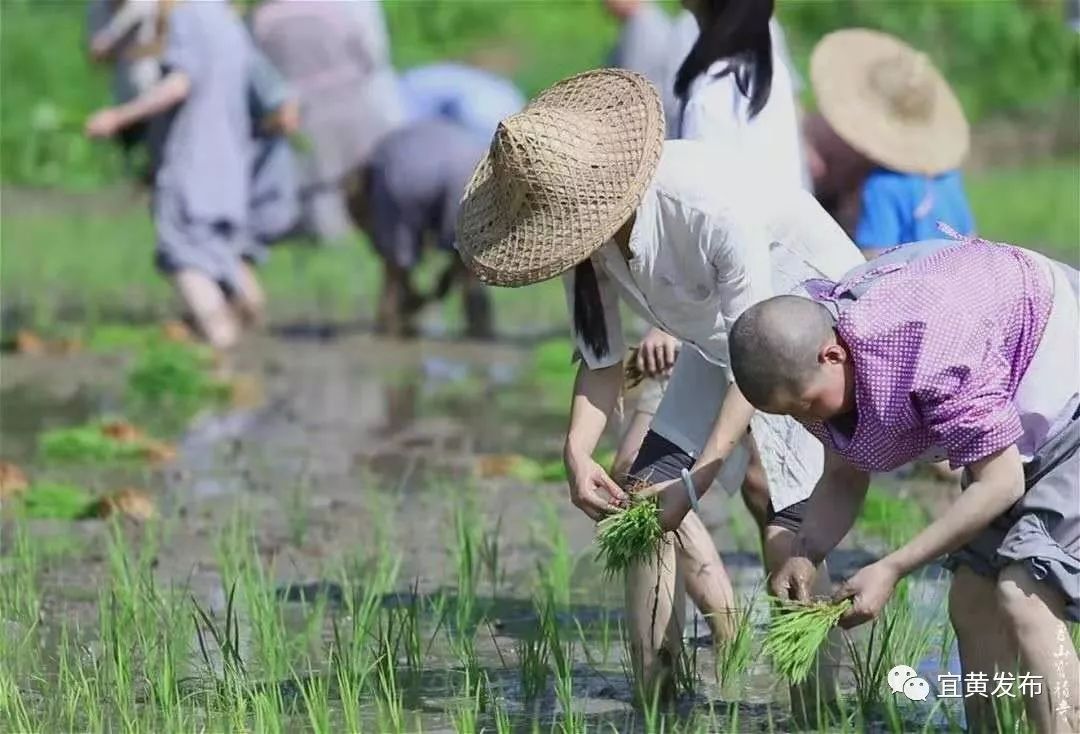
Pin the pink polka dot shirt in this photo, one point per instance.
(939, 348)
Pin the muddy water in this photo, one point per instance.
(359, 447)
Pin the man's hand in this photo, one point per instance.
(794, 579)
(656, 353)
(591, 489)
(103, 123)
(869, 590)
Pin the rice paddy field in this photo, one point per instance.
(352, 534)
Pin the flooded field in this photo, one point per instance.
(352, 545)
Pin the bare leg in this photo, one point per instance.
(250, 301)
(478, 316)
(705, 577)
(655, 605)
(208, 306)
(983, 638)
(819, 689)
(755, 490)
(1035, 614)
(395, 308)
(630, 444)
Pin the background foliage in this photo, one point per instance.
(1001, 55)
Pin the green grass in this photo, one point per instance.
(1035, 206)
(889, 518)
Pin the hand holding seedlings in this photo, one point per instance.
(794, 579)
(592, 490)
(869, 590)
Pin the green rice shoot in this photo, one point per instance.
(629, 536)
(87, 443)
(56, 502)
(795, 633)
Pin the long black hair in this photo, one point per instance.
(589, 309)
(736, 30)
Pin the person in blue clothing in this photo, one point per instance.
(474, 98)
(888, 103)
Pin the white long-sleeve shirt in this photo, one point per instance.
(710, 239)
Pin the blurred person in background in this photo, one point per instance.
(474, 98)
(886, 103)
(202, 189)
(653, 43)
(336, 56)
(130, 35)
(406, 197)
(275, 191)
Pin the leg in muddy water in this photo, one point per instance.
(249, 299)
(655, 606)
(478, 318)
(208, 306)
(1035, 613)
(705, 577)
(396, 307)
(983, 638)
(815, 698)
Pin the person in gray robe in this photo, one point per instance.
(202, 190)
(407, 198)
(335, 55)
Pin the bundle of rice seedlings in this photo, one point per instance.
(88, 443)
(795, 633)
(629, 536)
(54, 501)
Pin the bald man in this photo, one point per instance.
(968, 351)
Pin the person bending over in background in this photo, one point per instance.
(472, 97)
(888, 103)
(336, 57)
(407, 194)
(202, 189)
(582, 185)
(969, 351)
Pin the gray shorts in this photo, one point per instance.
(1042, 530)
(660, 460)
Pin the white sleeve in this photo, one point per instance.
(126, 18)
(609, 298)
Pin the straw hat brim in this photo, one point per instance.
(838, 72)
(539, 236)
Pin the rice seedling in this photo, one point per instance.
(628, 537)
(795, 633)
(556, 570)
(48, 500)
(533, 664)
(89, 443)
(489, 556)
(735, 655)
(175, 376)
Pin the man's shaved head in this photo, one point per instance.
(775, 345)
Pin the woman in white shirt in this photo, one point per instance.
(581, 184)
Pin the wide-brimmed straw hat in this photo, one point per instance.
(887, 101)
(561, 177)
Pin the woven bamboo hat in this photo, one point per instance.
(561, 177)
(887, 101)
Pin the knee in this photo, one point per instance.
(1021, 599)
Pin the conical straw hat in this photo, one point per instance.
(887, 101)
(561, 177)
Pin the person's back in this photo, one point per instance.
(738, 104)
(474, 98)
(206, 154)
(898, 208)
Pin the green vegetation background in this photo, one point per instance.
(999, 54)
